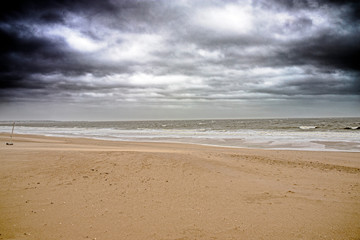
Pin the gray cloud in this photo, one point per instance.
(157, 52)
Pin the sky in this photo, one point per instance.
(179, 59)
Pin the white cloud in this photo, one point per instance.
(229, 19)
(75, 39)
(170, 81)
(210, 54)
(132, 47)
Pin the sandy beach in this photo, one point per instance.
(68, 188)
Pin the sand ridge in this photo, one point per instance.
(67, 188)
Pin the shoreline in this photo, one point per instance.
(79, 188)
(83, 144)
(4, 134)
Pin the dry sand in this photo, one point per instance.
(63, 188)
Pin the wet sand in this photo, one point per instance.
(66, 188)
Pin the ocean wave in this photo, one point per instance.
(308, 127)
(352, 128)
(311, 134)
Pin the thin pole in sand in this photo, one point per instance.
(12, 132)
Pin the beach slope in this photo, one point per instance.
(67, 188)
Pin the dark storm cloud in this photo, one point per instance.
(20, 53)
(327, 50)
(51, 17)
(178, 50)
(53, 9)
(309, 4)
(313, 86)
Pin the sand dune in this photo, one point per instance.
(64, 188)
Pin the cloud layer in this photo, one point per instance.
(149, 53)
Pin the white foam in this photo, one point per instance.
(307, 127)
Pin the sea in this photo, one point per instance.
(317, 134)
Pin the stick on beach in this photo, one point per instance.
(11, 136)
